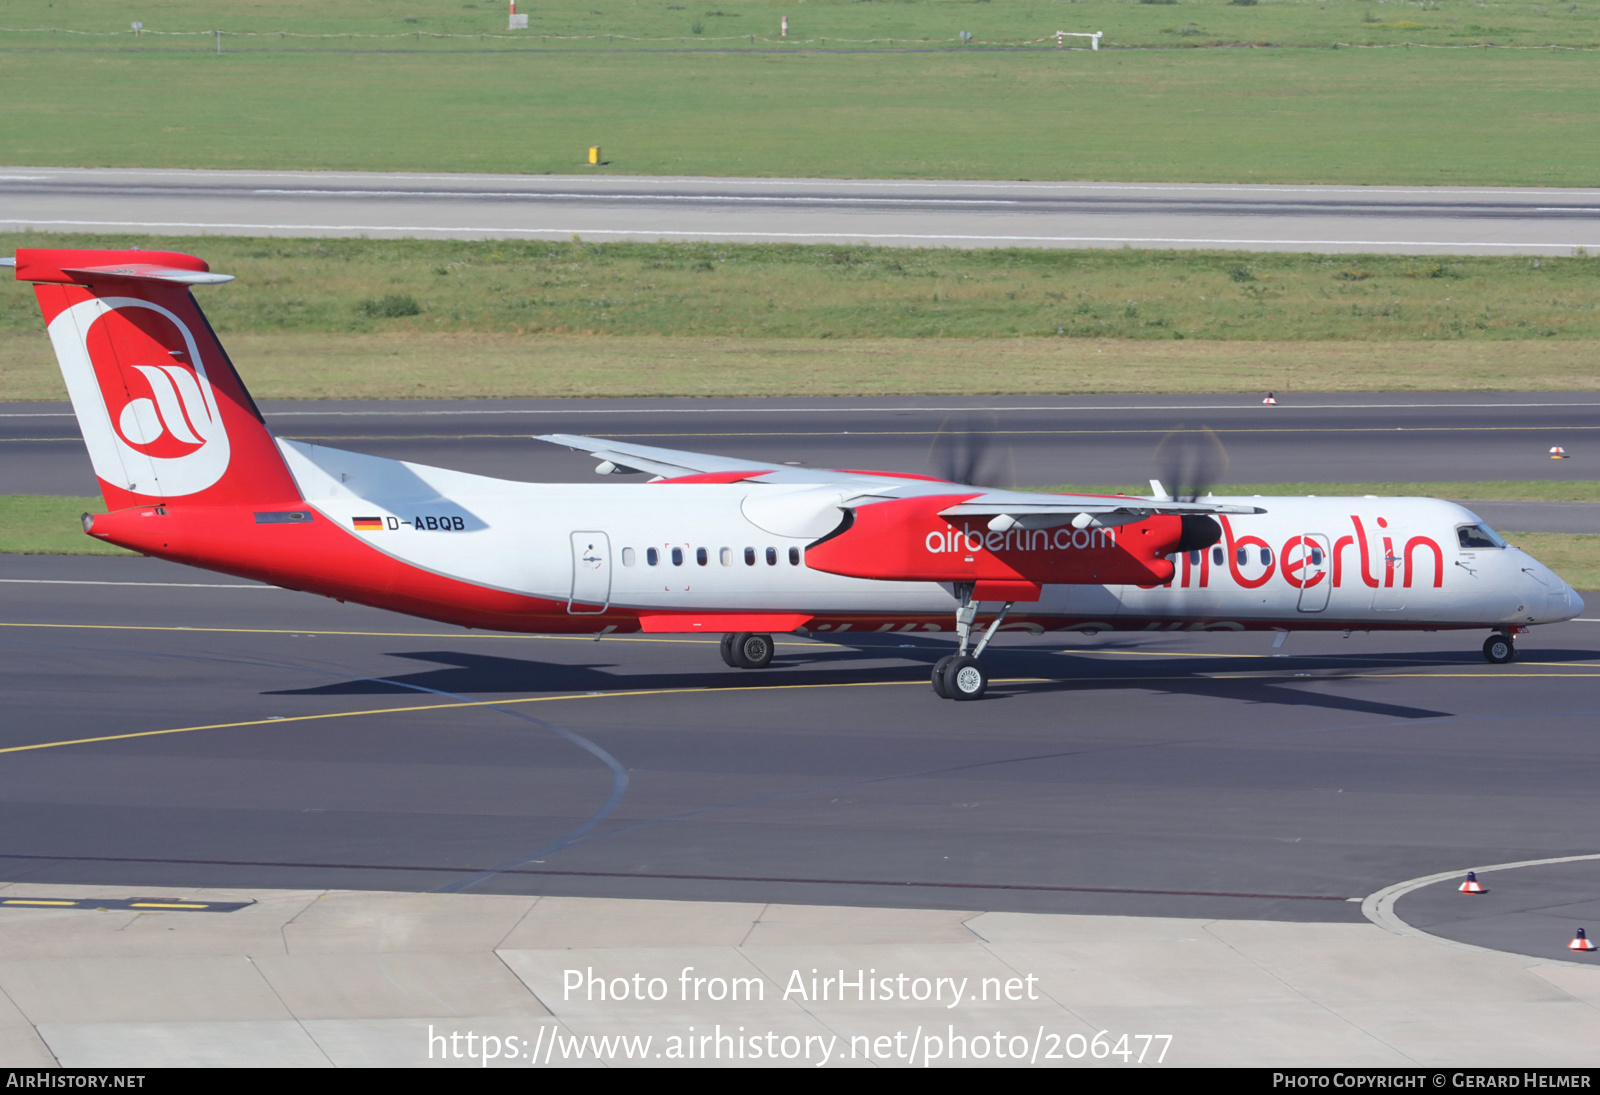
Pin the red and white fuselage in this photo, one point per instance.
(190, 472)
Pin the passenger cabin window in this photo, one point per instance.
(749, 557)
(1478, 536)
(725, 557)
(1242, 555)
(1316, 557)
(1266, 557)
(628, 557)
(772, 557)
(700, 556)
(652, 556)
(794, 556)
(1194, 558)
(1216, 556)
(677, 557)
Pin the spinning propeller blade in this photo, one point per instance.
(963, 451)
(1191, 462)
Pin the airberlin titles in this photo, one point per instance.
(968, 539)
(885, 542)
(907, 540)
(1301, 562)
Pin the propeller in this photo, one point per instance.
(1191, 462)
(964, 452)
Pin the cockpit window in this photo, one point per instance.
(1478, 536)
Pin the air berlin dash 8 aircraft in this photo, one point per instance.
(191, 473)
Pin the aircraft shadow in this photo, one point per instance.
(1053, 670)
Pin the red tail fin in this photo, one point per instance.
(162, 410)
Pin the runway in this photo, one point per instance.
(166, 727)
(900, 213)
(1031, 441)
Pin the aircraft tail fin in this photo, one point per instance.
(162, 410)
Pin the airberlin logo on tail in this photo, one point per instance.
(140, 390)
(174, 416)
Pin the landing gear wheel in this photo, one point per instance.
(752, 651)
(965, 678)
(938, 676)
(727, 652)
(1499, 649)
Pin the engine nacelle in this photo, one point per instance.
(907, 541)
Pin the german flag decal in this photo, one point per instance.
(367, 524)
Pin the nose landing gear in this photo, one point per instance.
(1499, 648)
(961, 676)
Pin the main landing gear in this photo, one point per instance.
(1499, 648)
(742, 650)
(961, 676)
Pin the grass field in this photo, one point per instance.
(579, 24)
(312, 319)
(49, 525)
(486, 366)
(1354, 116)
(822, 291)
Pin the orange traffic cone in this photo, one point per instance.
(1558, 453)
(1270, 401)
(1472, 885)
(1580, 942)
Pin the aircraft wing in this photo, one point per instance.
(1007, 508)
(675, 463)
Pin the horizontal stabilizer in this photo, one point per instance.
(146, 272)
(85, 267)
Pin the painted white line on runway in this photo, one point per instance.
(176, 585)
(765, 198)
(843, 236)
(658, 180)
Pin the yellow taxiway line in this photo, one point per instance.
(1484, 674)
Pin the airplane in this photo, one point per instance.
(190, 472)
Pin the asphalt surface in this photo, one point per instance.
(1329, 219)
(290, 741)
(1028, 441)
(1533, 910)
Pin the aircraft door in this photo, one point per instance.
(1315, 580)
(591, 573)
(1391, 594)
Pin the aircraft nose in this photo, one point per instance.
(1573, 605)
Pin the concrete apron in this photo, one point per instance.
(345, 978)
